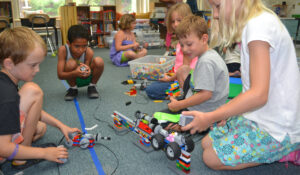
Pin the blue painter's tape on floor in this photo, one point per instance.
(92, 151)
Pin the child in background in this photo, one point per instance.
(193, 5)
(265, 118)
(169, 4)
(124, 47)
(77, 65)
(157, 90)
(233, 60)
(209, 81)
(22, 119)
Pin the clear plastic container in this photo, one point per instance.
(151, 67)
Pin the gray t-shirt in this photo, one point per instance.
(210, 74)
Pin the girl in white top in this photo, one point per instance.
(265, 118)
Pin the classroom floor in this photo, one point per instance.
(118, 156)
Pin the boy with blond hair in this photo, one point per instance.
(22, 119)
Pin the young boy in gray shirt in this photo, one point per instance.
(210, 74)
(209, 81)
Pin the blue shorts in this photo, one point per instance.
(157, 90)
(242, 141)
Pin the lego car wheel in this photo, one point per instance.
(69, 143)
(84, 143)
(157, 141)
(173, 151)
(189, 143)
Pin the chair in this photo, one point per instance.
(41, 20)
(4, 23)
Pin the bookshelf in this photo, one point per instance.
(99, 20)
(102, 23)
(6, 10)
(109, 18)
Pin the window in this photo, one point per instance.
(95, 2)
(127, 6)
(50, 7)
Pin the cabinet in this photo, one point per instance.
(6, 10)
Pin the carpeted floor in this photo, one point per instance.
(119, 155)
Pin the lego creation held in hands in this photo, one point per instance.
(185, 119)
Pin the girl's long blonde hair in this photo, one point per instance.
(224, 33)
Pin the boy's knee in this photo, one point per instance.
(98, 62)
(32, 89)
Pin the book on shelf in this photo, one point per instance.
(109, 15)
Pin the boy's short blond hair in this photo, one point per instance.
(125, 21)
(191, 24)
(18, 42)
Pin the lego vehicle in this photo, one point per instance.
(140, 126)
(84, 140)
(172, 142)
(152, 134)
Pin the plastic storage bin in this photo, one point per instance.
(151, 67)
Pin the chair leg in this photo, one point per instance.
(54, 46)
(51, 46)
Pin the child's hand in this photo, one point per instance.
(165, 78)
(174, 105)
(83, 70)
(55, 153)
(199, 124)
(145, 45)
(136, 45)
(221, 123)
(66, 130)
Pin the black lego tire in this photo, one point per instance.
(173, 151)
(157, 142)
(190, 144)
